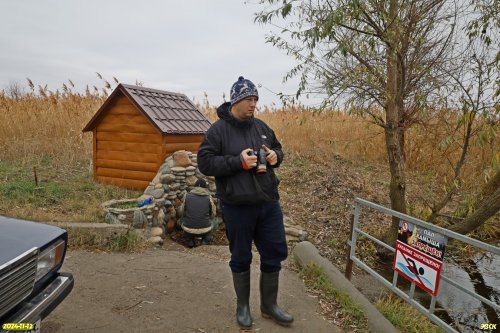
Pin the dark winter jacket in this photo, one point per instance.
(219, 156)
(197, 208)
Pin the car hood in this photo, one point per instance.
(18, 236)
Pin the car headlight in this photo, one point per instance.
(49, 258)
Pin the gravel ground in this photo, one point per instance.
(170, 289)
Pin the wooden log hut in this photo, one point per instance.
(137, 128)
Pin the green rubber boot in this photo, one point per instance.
(268, 294)
(241, 283)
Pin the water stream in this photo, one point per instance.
(481, 273)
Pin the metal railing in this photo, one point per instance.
(428, 312)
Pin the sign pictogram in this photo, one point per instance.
(419, 255)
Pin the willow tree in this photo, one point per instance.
(378, 57)
(475, 79)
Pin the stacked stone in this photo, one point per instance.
(180, 179)
(117, 215)
(176, 176)
(174, 179)
(148, 220)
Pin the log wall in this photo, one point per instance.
(128, 148)
(175, 142)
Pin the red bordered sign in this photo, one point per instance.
(419, 254)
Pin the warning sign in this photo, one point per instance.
(419, 255)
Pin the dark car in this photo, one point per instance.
(31, 285)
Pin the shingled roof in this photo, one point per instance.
(171, 113)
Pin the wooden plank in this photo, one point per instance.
(128, 147)
(134, 119)
(171, 152)
(127, 128)
(159, 152)
(126, 156)
(172, 147)
(129, 137)
(128, 109)
(126, 183)
(127, 165)
(164, 147)
(183, 138)
(94, 152)
(121, 100)
(126, 174)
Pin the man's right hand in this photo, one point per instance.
(248, 159)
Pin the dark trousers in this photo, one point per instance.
(261, 223)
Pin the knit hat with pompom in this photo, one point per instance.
(241, 89)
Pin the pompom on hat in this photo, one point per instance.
(241, 89)
(200, 183)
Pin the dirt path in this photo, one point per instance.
(170, 290)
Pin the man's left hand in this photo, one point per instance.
(271, 156)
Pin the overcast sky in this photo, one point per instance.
(188, 46)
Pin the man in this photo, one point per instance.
(197, 214)
(249, 200)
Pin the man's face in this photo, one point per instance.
(245, 108)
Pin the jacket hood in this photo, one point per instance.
(201, 191)
(224, 113)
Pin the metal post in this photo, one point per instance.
(351, 245)
(395, 279)
(432, 306)
(348, 267)
(412, 290)
(410, 297)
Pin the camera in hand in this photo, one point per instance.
(261, 162)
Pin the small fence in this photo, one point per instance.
(428, 312)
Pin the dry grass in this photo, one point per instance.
(431, 149)
(344, 312)
(405, 317)
(327, 133)
(47, 126)
(42, 132)
(43, 128)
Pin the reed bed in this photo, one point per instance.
(47, 125)
(431, 148)
(39, 127)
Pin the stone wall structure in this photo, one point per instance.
(154, 213)
(158, 213)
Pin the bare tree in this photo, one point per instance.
(380, 58)
(486, 204)
(475, 79)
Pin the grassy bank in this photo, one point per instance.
(351, 317)
(404, 317)
(348, 314)
(60, 193)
